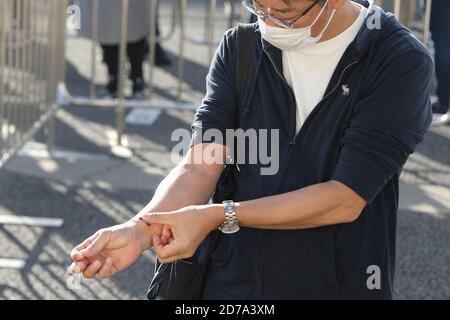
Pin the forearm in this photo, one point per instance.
(191, 182)
(314, 206)
(187, 184)
(182, 187)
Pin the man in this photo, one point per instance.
(138, 27)
(348, 89)
(440, 24)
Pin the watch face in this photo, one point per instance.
(228, 229)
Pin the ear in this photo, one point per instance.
(337, 4)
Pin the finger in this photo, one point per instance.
(79, 266)
(92, 269)
(166, 232)
(162, 218)
(74, 268)
(97, 245)
(82, 265)
(107, 270)
(85, 243)
(75, 255)
(166, 251)
(156, 241)
(158, 245)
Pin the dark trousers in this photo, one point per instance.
(440, 29)
(136, 55)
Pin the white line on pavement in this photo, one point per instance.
(31, 221)
(12, 263)
(142, 117)
(37, 150)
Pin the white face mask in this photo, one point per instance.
(292, 39)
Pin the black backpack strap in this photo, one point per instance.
(245, 45)
(244, 50)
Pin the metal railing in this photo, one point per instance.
(31, 65)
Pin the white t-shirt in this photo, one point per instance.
(309, 70)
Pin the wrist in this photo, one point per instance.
(217, 214)
(144, 233)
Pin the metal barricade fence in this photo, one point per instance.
(31, 65)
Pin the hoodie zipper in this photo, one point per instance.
(320, 104)
(291, 92)
(295, 136)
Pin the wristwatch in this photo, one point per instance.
(231, 223)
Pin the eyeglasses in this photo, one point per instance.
(284, 23)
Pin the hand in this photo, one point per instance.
(113, 249)
(188, 226)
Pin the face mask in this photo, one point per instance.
(292, 39)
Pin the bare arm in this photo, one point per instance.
(314, 206)
(189, 183)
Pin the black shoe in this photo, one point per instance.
(161, 58)
(138, 89)
(138, 84)
(440, 116)
(105, 93)
(439, 108)
(111, 87)
(138, 95)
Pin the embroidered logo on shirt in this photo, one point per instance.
(345, 90)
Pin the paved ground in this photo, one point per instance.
(90, 187)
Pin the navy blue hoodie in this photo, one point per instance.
(361, 139)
